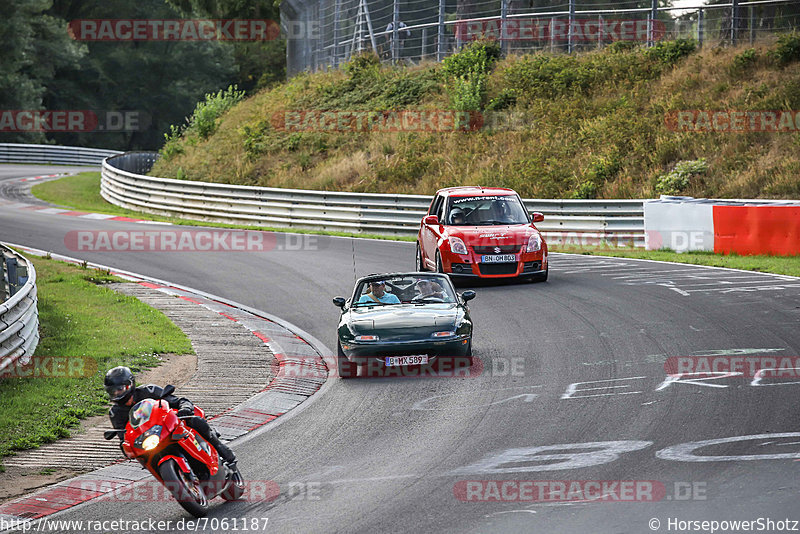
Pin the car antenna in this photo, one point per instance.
(353, 245)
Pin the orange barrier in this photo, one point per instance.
(749, 230)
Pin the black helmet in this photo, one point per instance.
(119, 383)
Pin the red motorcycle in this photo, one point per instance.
(180, 458)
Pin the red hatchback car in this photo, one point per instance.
(483, 232)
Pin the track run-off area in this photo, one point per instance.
(574, 424)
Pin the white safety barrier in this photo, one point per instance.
(19, 317)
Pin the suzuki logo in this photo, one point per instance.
(497, 250)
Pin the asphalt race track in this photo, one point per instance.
(577, 360)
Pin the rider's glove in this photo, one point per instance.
(185, 412)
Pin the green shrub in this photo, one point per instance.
(742, 62)
(478, 56)
(620, 46)
(678, 179)
(788, 49)
(670, 52)
(204, 118)
(468, 92)
(172, 146)
(506, 99)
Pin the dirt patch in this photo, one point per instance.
(175, 369)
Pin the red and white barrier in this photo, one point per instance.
(743, 227)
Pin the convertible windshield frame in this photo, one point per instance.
(405, 287)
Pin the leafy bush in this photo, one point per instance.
(172, 146)
(506, 99)
(742, 62)
(678, 179)
(478, 56)
(204, 118)
(468, 92)
(788, 49)
(620, 46)
(670, 52)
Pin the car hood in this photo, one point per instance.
(517, 234)
(404, 320)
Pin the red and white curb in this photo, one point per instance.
(51, 210)
(302, 371)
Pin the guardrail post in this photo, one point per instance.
(13, 277)
(5, 292)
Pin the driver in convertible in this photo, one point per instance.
(377, 293)
(428, 288)
(121, 388)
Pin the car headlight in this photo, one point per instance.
(534, 243)
(457, 246)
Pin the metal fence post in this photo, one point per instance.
(599, 31)
(395, 21)
(752, 25)
(571, 22)
(424, 51)
(651, 24)
(700, 30)
(503, 32)
(440, 34)
(5, 290)
(734, 21)
(337, 5)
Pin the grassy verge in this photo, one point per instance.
(82, 193)
(79, 318)
(768, 264)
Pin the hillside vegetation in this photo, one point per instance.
(590, 125)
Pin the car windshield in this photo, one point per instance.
(411, 289)
(486, 210)
(140, 413)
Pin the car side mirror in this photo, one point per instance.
(339, 302)
(430, 220)
(537, 217)
(110, 434)
(468, 295)
(167, 391)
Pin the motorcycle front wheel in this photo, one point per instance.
(188, 493)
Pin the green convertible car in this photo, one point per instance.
(402, 320)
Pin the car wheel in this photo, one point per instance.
(346, 368)
(468, 353)
(439, 268)
(420, 261)
(542, 277)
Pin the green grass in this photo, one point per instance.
(80, 318)
(789, 265)
(82, 193)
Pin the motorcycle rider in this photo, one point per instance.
(121, 387)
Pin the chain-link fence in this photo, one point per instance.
(325, 33)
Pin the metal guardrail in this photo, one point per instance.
(125, 185)
(53, 154)
(19, 315)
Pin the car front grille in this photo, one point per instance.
(497, 268)
(503, 249)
